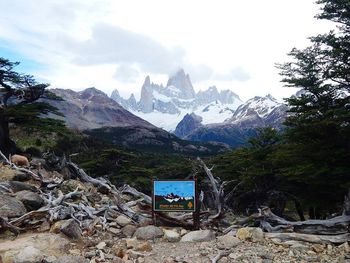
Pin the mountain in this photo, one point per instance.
(93, 112)
(166, 106)
(92, 108)
(257, 112)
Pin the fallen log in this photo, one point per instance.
(334, 226)
(317, 239)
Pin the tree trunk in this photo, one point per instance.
(7, 146)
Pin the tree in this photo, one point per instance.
(19, 95)
(318, 128)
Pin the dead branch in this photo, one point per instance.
(4, 225)
(218, 190)
(127, 189)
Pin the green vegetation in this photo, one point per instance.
(19, 103)
(310, 159)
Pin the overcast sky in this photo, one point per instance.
(114, 44)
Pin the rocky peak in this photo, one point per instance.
(188, 124)
(180, 85)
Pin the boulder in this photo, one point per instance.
(198, 236)
(71, 229)
(19, 186)
(171, 236)
(28, 254)
(148, 233)
(253, 234)
(11, 207)
(32, 201)
(228, 241)
(129, 230)
(123, 220)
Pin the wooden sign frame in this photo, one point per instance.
(195, 211)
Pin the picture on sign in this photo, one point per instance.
(174, 196)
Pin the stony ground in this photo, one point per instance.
(51, 247)
(115, 237)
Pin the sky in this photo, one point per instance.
(180, 188)
(115, 44)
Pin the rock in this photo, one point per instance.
(71, 229)
(19, 186)
(318, 248)
(28, 245)
(148, 233)
(345, 246)
(38, 162)
(71, 259)
(129, 230)
(228, 241)
(114, 231)
(123, 220)
(145, 246)
(171, 236)
(183, 232)
(90, 254)
(101, 245)
(11, 207)
(8, 174)
(253, 234)
(198, 236)
(32, 201)
(131, 242)
(28, 254)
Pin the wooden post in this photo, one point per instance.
(196, 213)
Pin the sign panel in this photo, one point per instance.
(171, 196)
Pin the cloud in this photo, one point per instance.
(126, 74)
(199, 72)
(236, 74)
(114, 45)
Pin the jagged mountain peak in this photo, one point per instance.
(147, 81)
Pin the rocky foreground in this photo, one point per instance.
(66, 219)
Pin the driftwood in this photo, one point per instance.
(319, 239)
(334, 226)
(217, 190)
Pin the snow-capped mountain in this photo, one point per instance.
(166, 106)
(257, 112)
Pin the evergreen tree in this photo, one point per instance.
(19, 95)
(318, 128)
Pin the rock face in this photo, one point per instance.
(148, 233)
(11, 207)
(198, 236)
(189, 123)
(91, 108)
